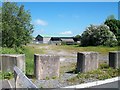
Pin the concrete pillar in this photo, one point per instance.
(8, 61)
(46, 66)
(87, 61)
(114, 59)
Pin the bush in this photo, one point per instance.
(98, 35)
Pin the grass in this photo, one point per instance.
(29, 52)
(6, 75)
(67, 68)
(76, 48)
(103, 72)
(32, 49)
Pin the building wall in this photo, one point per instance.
(46, 39)
(39, 39)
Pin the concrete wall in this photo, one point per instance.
(114, 59)
(8, 61)
(46, 66)
(87, 61)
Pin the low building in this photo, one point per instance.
(52, 39)
(42, 39)
(67, 41)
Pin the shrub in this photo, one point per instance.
(98, 35)
(104, 66)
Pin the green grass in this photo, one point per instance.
(29, 52)
(102, 73)
(76, 48)
(6, 75)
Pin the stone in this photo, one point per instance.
(87, 61)
(8, 61)
(114, 59)
(46, 66)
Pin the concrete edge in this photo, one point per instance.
(95, 83)
(9, 84)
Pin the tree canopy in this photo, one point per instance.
(98, 35)
(114, 25)
(16, 25)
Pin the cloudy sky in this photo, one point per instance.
(68, 18)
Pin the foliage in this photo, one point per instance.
(12, 50)
(103, 65)
(6, 75)
(77, 38)
(99, 74)
(113, 24)
(98, 35)
(16, 25)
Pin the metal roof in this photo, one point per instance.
(44, 35)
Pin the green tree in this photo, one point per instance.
(77, 38)
(16, 25)
(113, 23)
(110, 17)
(98, 35)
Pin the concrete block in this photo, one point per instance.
(8, 61)
(87, 61)
(46, 66)
(114, 59)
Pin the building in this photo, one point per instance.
(52, 39)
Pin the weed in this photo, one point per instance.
(6, 75)
(47, 78)
(102, 73)
(54, 77)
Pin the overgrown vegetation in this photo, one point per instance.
(6, 75)
(29, 52)
(103, 72)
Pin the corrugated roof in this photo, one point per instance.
(45, 35)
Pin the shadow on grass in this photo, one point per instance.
(30, 76)
(73, 71)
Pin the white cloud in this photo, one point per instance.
(66, 33)
(40, 22)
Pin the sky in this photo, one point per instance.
(68, 18)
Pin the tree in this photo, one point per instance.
(77, 38)
(98, 35)
(110, 17)
(113, 23)
(16, 25)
